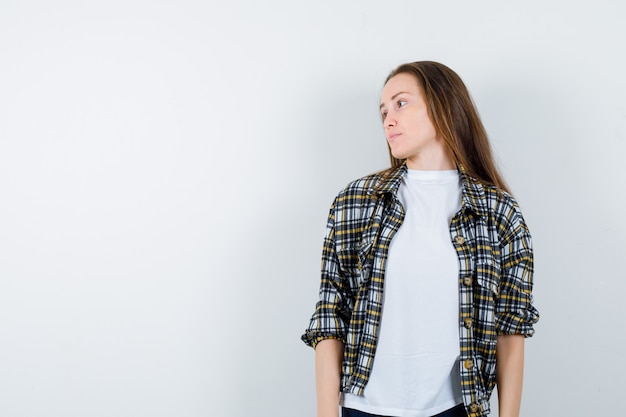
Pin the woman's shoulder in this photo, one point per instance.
(504, 209)
(487, 196)
(372, 184)
(359, 195)
(501, 201)
(366, 184)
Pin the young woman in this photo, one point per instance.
(427, 267)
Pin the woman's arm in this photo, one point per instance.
(328, 358)
(509, 373)
(515, 313)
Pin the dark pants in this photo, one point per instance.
(458, 411)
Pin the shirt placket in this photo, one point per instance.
(462, 235)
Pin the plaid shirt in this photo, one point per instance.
(495, 278)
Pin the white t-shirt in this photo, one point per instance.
(416, 367)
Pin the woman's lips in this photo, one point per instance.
(393, 136)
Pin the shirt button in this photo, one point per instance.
(467, 281)
(467, 323)
(468, 364)
(459, 239)
(473, 407)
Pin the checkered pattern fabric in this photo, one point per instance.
(495, 278)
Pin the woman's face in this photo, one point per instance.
(409, 131)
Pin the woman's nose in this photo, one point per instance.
(390, 119)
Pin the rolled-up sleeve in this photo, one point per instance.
(332, 312)
(515, 313)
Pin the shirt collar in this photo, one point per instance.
(473, 191)
(390, 183)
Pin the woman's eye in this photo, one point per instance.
(383, 115)
(401, 103)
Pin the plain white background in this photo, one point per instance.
(166, 168)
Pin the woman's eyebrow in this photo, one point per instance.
(393, 97)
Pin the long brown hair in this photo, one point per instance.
(455, 118)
